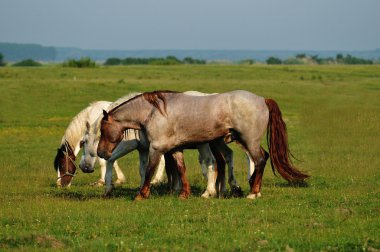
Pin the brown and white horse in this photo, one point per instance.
(171, 122)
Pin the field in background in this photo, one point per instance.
(332, 114)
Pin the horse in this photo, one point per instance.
(64, 161)
(171, 122)
(135, 139)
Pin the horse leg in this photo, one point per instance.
(120, 175)
(178, 158)
(159, 177)
(251, 166)
(123, 148)
(154, 159)
(259, 158)
(143, 158)
(208, 158)
(101, 180)
(221, 170)
(228, 155)
(108, 178)
(169, 171)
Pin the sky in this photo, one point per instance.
(193, 24)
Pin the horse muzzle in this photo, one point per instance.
(86, 168)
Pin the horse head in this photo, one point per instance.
(89, 144)
(64, 164)
(111, 134)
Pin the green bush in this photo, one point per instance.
(247, 62)
(273, 61)
(136, 61)
(2, 63)
(169, 60)
(27, 63)
(294, 61)
(189, 60)
(82, 63)
(113, 62)
(351, 60)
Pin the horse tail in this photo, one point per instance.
(279, 152)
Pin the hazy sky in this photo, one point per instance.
(193, 24)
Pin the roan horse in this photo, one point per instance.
(136, 139)
(171, 122)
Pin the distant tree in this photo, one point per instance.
(273, 61)
(350, 60)
(27, 63)
(293, 61)
(113, 62)
(2, 63)
(247, 62)
(135, 61)
(301, 56)
(169, 60)
(339, 58)
(189, 60)
(82, 63)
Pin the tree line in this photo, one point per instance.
(299, 59)
(169, 60)
(303, 59)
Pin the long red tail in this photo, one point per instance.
(278, 145)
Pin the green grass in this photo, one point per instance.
(332, 114)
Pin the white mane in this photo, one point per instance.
(76, 129)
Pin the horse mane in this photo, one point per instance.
(77, 127)
(152, 97)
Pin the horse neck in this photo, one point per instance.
(75, 132)
(134, 113)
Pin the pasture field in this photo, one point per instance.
(333, 119)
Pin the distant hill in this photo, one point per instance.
(16, 52)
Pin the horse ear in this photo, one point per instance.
(105, 115)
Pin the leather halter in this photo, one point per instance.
(68, 158)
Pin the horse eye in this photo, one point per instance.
(81, 143)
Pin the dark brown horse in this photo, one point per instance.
(171, 122)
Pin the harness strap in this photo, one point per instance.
(68, 158)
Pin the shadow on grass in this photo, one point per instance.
(83, 193)
(302, 184)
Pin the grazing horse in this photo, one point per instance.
(171, 122)
(64, 161)
(136, 139)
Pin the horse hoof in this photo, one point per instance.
(142, 195)
(236, 192)
(119, 182)
(155, 182)
(107, 195)
(254, 196)
(205, 195)
(139, 197)
(98, 183)
(183, 195)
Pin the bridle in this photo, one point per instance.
(68, 158)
